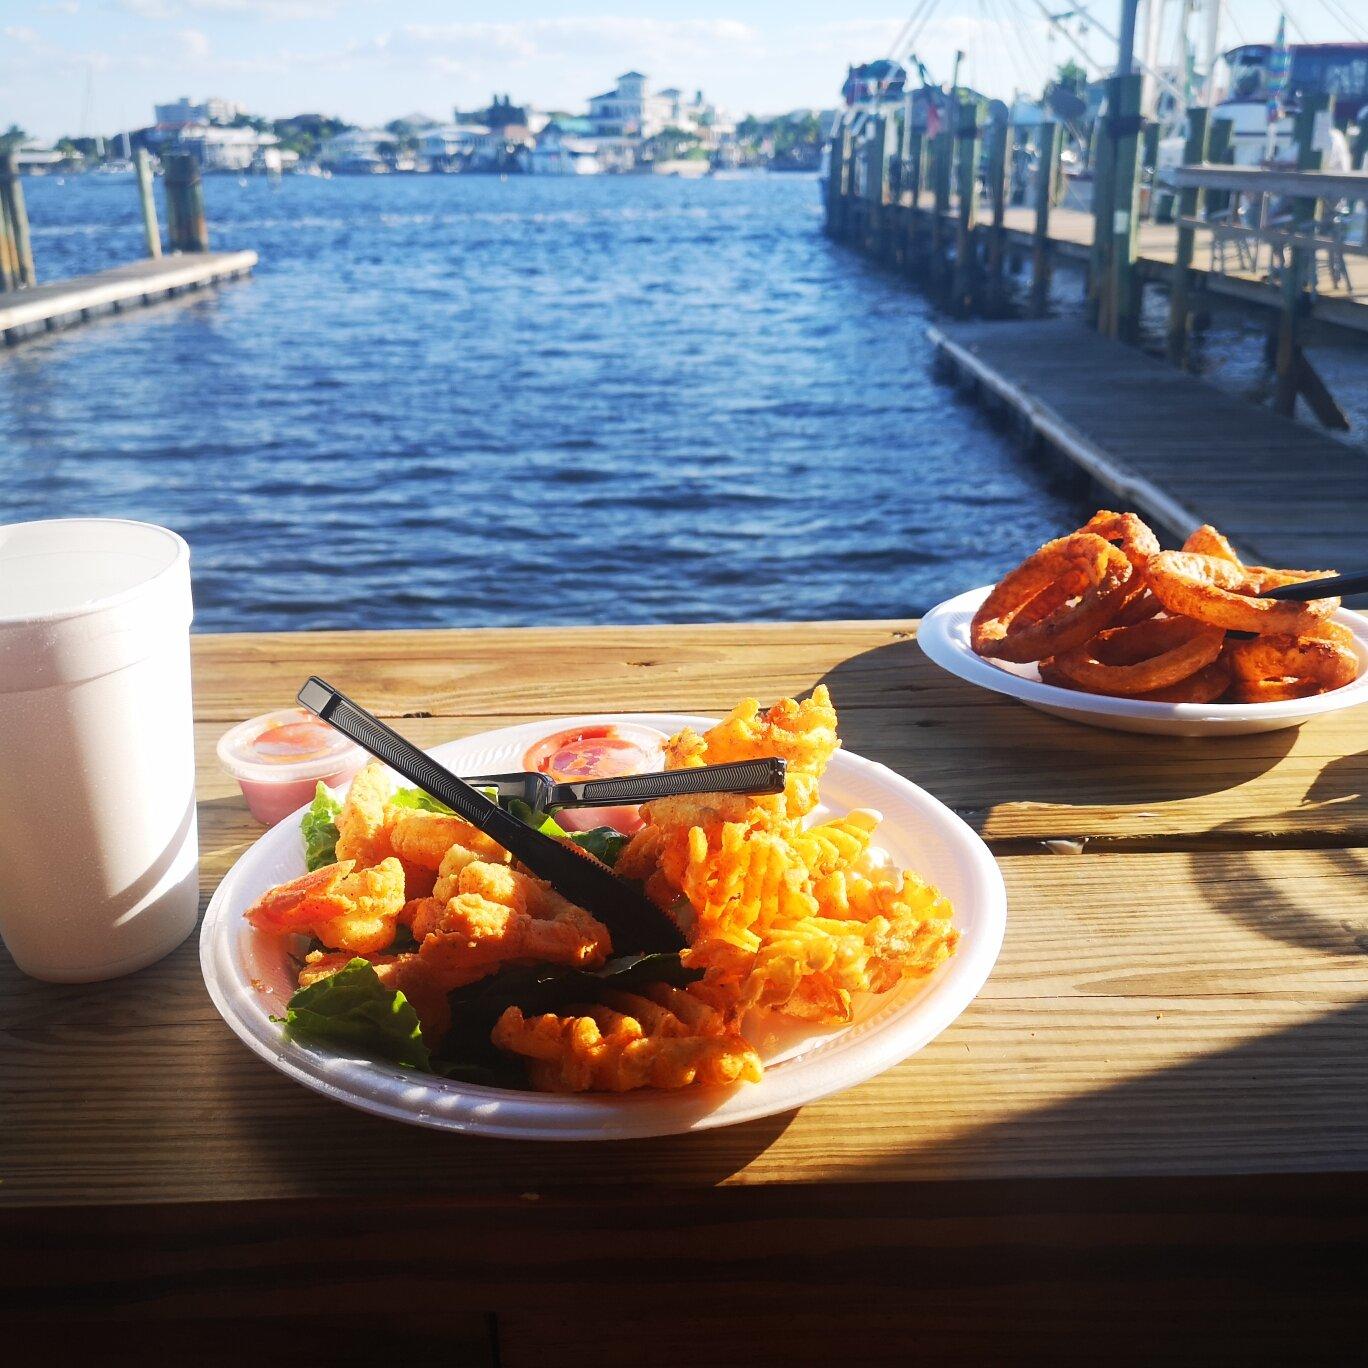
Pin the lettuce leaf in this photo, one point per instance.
(319, 828)
(606, 842)
(416, 798)
(354, 1010)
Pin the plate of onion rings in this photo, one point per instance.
(1103, 627)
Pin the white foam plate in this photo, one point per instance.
(944, 636)
(250, 977)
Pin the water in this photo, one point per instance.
(451, 401)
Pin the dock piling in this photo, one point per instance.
(1099, 265)
(1125, 124)
(16, 217)
(1047, 147)
(143, 165)
(966, 136)
(1189, 208)
(1298, 261)
(186, 229)
(997, 190)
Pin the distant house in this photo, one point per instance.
(565, 147)
(228, 149)
(627, 111)
(356, 151)
(449, 147)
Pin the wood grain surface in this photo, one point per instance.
(1181, 1001)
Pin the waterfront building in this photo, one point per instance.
(459, 146)
(187, 111)
(629, 110)
(356, 151)
(228, 149)
(564, 147)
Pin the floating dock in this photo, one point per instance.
(1170, 446)
(44, 308)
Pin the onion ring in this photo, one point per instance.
(1140, 609)
(1106, 574)
(1206, 686)
(1221, 594)
(1126, 530)
(1273, 668)
(1207, 541)
(1125, 661)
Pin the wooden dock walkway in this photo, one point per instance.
(66, 302)
(1071, 239)
(1172, 447)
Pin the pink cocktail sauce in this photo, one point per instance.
(279, 758)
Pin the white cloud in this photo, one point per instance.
(149, 9)
(58, 7)
(194, 45)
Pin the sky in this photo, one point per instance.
(86, 66)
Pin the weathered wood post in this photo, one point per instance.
(967, 152)
(1099, 259)
(942, 152)
(845, 183)
(12, 197)
(877, 185)
(997, 190)
(916, 155)
(1047, 149)
(835, 172)
(186, 230)
(1220, 153)
(1123, 316)
(1189, 208)
(143, 165)
(1297, 260)
(9, 260)
(1150, 163)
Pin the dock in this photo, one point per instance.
(1170, 446)
(45, 308)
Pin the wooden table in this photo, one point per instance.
(1145, 1142)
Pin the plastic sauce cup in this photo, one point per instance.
(279, 758)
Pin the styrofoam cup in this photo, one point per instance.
(98, 842)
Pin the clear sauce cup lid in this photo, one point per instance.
(285, 746)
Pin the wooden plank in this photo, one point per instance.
(1161, 1014)
(1164, 443)
(1350, 185)
(139, 280)
(1019, 776)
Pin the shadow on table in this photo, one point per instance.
(975, 749)
(413, 1160)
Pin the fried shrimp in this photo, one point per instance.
(473, 937)
(362, 829)
(343, 907)
(424, 838)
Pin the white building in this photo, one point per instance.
(629, 110)
(186, 111)
(563, 149)
(228, 149)
(447, 145)
(632, 110)
(356, 151)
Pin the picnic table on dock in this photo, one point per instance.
(1146, 1141)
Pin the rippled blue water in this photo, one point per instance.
(465, 401)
